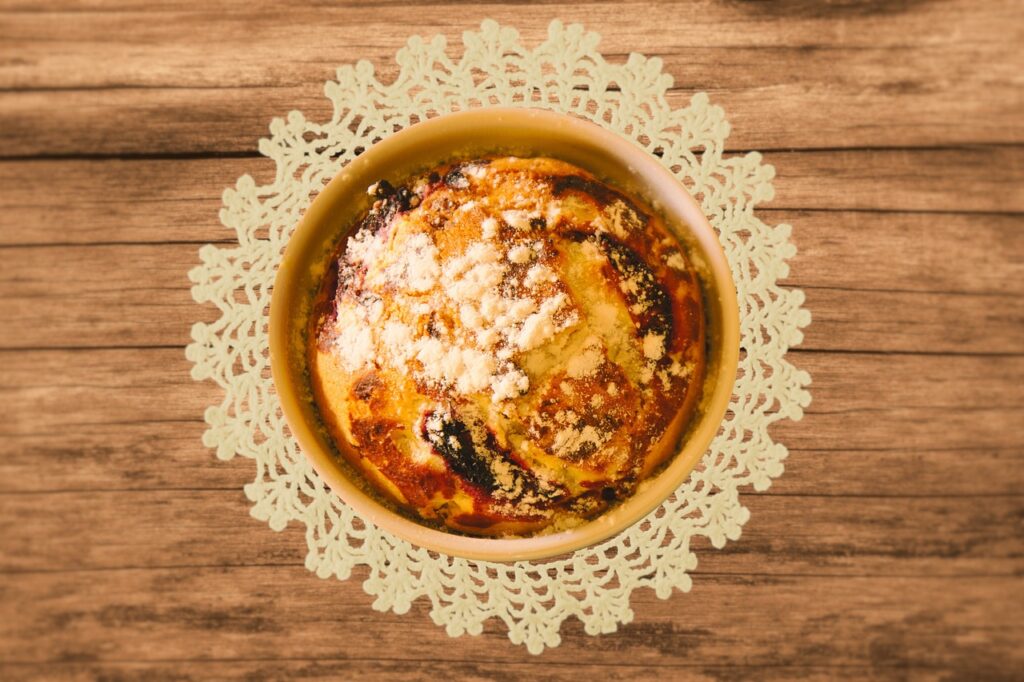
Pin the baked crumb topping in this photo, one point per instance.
(504, 305)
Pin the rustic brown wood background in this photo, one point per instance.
(893, 546)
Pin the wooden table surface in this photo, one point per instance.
(892, 547)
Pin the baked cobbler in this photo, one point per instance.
(507, 345)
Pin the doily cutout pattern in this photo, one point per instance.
(564, 73)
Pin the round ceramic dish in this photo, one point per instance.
(520, 132)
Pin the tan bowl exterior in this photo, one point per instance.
(522, 132)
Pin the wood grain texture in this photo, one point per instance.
(418, 671)
(789, 76)
(128, 453)
(893, 546)
(174, 200)
(139, 295)
(129, 385)
(234, 613)
(884, 536)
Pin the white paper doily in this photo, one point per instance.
(565, 73)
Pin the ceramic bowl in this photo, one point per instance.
(522, 132)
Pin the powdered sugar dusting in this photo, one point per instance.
(587, 362)
(654, 346)
(416, 266)
(355, 344)
(520, 254)
(497, 315)
(518, 219)
(570, 440)
(539, 274)
(675, 260)
(489, 228)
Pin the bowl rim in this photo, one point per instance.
(654, 489)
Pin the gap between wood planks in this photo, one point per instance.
(255, 154)
(695, 572)
(421, 668)
(759, 210)
(745, 491)
(377, 659)
(798, 350)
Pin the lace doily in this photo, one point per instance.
(565, 73)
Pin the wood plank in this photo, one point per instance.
(964, 179)
(795, 14)
(906, 251)
(121, 295)
(981, 428)
(787, 535)
(135, 385)
(139, 295)
(421, 671)
(159, 455)
(119, 386)
(852, 536)
(892, 79)
(975, 471)
(912, 322)
(125, 452)
(253, 613)
(211, 121)
(145, 529)
(118, 201)
(876, 422)
(179, 199)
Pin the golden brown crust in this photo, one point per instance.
(507, 345)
